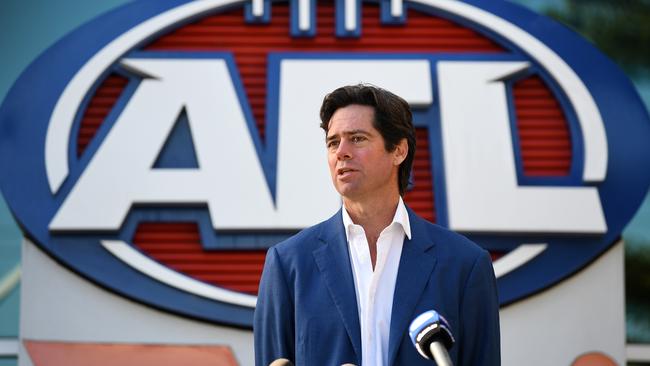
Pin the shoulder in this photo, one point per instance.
(459, 257)
(305, 240)
(300, 246)
(293, 259)
(448, 244)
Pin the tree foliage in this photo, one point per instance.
(620, 28)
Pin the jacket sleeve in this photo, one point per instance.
(480, 336)
(273, 326)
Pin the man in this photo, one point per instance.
(346, 290)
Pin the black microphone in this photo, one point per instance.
(281, 362)
(432, 338)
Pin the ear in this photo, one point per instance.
(400, 152)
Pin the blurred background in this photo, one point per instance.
(619, 28)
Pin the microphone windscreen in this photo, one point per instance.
(427, 328)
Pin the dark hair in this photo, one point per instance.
(393, 119)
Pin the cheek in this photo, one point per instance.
(383, 166)
(331, 162)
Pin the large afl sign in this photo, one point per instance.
(161, 148)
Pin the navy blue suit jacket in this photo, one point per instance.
(307, 308)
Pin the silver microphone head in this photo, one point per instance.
(281, 362)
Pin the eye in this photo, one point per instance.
(357, 138)
(332, 144)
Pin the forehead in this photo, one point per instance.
(353, 117)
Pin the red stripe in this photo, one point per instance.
(545, 142)
(100, 105)
(421, 197)
(178, 246)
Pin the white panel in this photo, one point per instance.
(258, 7)
(483, 194)
(638, 352)
(396, 8)
(582, 314)
(304, 18)
(350, 15)
(58, 305)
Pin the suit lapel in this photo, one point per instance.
(415, 267)
(333, 261)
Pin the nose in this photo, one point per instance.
(343, 151)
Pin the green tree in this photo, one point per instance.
(620, 28)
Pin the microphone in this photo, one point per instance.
(285, 362)
(281, 362)
(432, 338)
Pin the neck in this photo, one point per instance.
(373, 215)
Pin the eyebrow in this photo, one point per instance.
(347, 133)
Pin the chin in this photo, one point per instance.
(349, 194)
(345, 192)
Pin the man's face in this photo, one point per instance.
(360, 166)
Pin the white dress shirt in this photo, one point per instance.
(375, 289)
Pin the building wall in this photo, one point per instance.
(57, 304)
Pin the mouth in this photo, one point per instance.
(344, 171)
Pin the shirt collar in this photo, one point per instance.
(401, 217)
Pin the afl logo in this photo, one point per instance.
(161, 148)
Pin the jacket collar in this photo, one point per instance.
(415, 268)
(333, 261)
